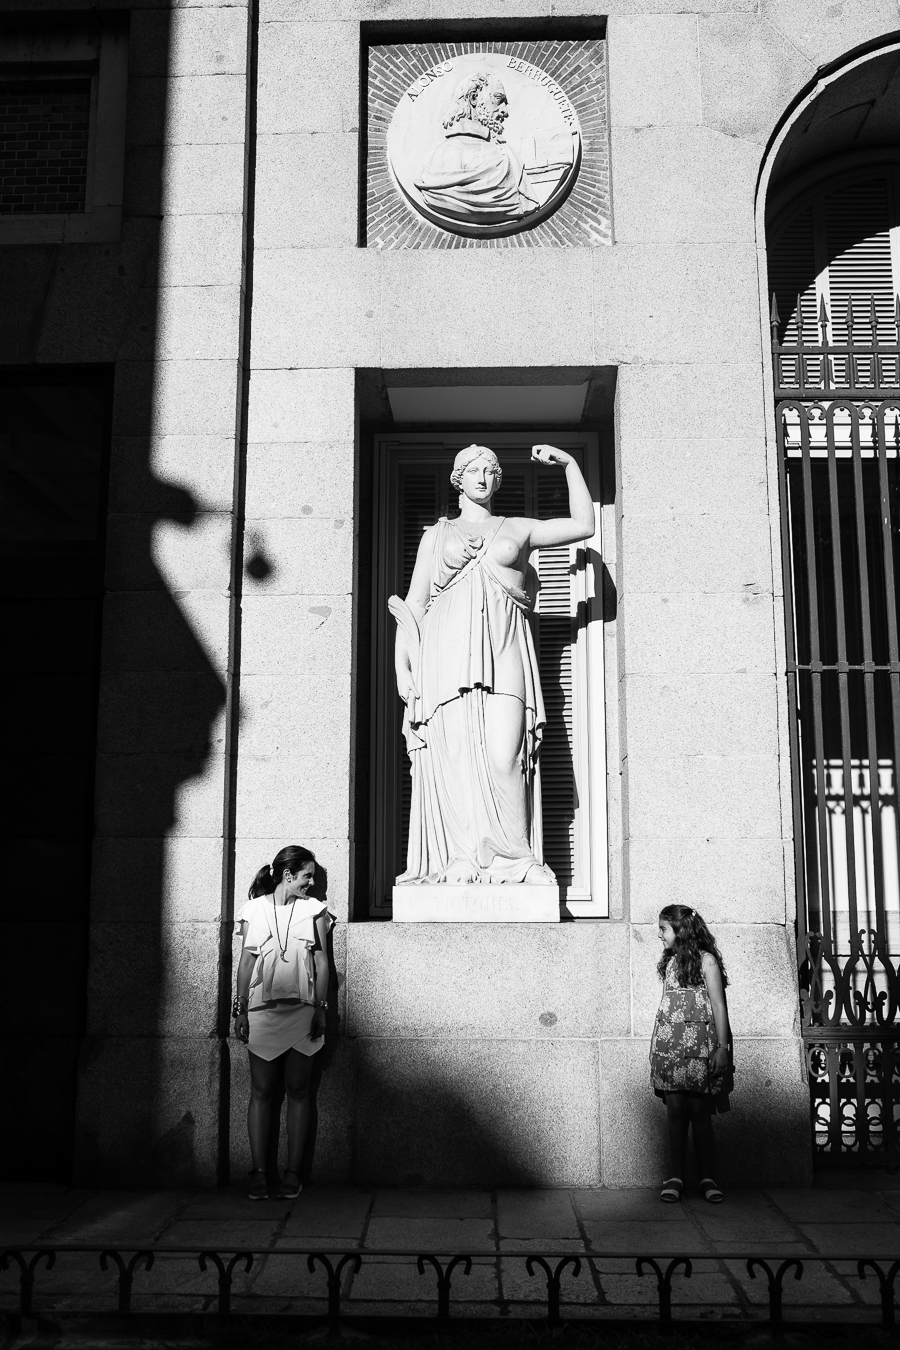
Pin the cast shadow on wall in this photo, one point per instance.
(140, 702)
(91, 523)
(161, 703)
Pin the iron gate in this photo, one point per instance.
(838, 423)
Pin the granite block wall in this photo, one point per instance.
(674, 305)
(698, 773)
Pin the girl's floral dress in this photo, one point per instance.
(684, 1039)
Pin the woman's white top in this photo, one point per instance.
(283, 938)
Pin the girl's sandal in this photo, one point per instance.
(289, 1190)
(259, 1187)
(671, 1191)
(710, 1191)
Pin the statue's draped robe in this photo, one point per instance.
(476, 648)
(472, 178)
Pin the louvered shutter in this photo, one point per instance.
(555, 644)
(513, 496)
(836, 249)
(419, 508)
(525, 491)
(858, 244)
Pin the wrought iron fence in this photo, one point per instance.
(838, 424)
(336, 1266)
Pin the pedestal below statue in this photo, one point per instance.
(503, 903)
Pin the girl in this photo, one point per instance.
(690, 1053)
(279, 1010)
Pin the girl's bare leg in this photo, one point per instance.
(677, 1120)
(704, 1144)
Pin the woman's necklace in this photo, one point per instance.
(287, 932)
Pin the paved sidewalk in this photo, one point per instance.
(834, 1218)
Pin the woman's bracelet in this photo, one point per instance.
(239, 1006)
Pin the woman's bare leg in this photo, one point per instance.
(264, 1088)
(297, 1079)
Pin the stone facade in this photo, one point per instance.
(237, 307)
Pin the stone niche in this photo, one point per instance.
(488, 145)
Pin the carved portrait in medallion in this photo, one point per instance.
(484, 144)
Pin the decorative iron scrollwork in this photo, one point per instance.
(333, 1275)
(553, 1279)
(664, 1281)
(860, 990)
(126, 1272)
(776, 1282)
(444, 1273)
(552, 1264)
(226, 1273)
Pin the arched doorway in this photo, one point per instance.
(833, 237)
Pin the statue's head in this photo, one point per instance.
(479, 98)
(477, 473)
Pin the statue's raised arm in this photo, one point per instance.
(580, 523)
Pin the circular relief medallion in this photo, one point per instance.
(484, 144)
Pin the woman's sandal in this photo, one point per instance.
(259, 1187)
(710, 1191)
(289, 1190)
(671, 1191)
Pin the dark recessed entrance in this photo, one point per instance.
(53, 463)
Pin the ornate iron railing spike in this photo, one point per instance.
(664, 1281)
(226, 1274)
(776, 1283)
(26, 1272)
(554, 1278)
(126, 1272)
(333, 1278)
(885, 1286)
(443, 1276)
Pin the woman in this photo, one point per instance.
(467, 672)
(279, 1010)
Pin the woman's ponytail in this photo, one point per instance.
(267, 878)
(262, 883)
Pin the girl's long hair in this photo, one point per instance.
(692, 939)
(267, 878)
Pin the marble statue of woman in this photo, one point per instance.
(467, 672)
